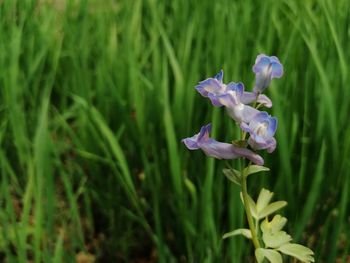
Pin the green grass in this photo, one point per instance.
(95, 97)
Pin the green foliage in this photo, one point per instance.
(233, 175)
(275, 240)
(262, 208)
(95, 97)
(272, 255)
(241, 231)
(300, 252)
(252, 169)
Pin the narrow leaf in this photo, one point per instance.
(233, 175)
(263, 200)
(241, 231)
(252, 169)
(271, 208)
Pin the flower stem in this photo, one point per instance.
(253, 228)
(247, 209)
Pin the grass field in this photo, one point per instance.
(95, 96)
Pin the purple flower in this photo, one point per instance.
(261, 128)
(249, 97)
(219, 150)
(213, 88)
(265, 69)
(235, 108)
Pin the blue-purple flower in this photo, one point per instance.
(261, 128)
(232, 101)
(265, 69)
(213, 88)
(219, 150)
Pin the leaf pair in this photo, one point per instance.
(262, 208)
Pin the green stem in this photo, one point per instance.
(248, 211)
(253, 228)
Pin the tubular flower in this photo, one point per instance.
(213, 88)
(235, 108)
(261, 128)
(265, 69)
(219, 150)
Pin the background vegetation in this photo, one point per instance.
(96, 95)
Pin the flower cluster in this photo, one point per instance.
(258, 130)
(258, 124)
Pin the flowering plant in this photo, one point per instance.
(258, 130)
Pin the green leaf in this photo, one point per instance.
(252, 206)
(271, 208)
(272, 255)
(300, 252)
(190, 186)
(272, 235)
(275, 240)
(233, 175)
(241, 231)
(263, 200)
(262, 208)
(252, 169)
(276, 224)
(10, 233)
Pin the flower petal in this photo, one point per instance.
(261, 62)
(277, 70)
(219, 150)
(255, 158)
(214, 100)
(264, 100)
(271, 145)
(211, 88)
(262, 128)
(229, 99)
(219, 76)
(272, 126)
(242, 113)
(204, 133)
(248, 97)
(237, 87)
(262, 81)
(265, 69)
(191, 142)
(245, 127)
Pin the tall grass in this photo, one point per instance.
(96, 95)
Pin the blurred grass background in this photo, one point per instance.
(96, 95)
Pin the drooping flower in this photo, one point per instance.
(265, 69)
(261, 128)
(213, 88)
(219, 150)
